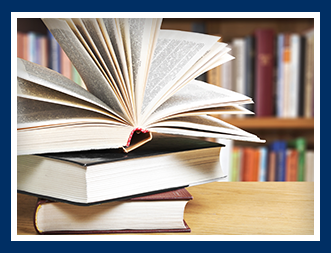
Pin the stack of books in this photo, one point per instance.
(118, 156)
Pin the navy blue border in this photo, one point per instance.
(237, 6)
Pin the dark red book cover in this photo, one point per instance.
(179, 194)
(264, 72)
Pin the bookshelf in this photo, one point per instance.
(278, 125)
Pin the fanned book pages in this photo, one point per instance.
(139, 80)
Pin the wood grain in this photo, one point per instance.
(230, 208)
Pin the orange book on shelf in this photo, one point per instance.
(272, 166)
(291, 165)
(251, 164)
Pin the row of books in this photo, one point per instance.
(275, 69)
(281, 161)
(46, 51)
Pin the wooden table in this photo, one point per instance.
(230, 208)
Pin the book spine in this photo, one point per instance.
(54, 53)
(263, 164)
(249, 69)
(264, 66)
(294, 75)
(280, 76)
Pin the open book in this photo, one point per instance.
(139, 80)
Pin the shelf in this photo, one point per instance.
(272, 123)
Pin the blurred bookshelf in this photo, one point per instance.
(284, 112)
(275, 125)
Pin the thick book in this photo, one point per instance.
(138, 78)
(264, 75)
(91, 177)
(156, 213)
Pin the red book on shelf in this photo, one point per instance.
(157, 213)
(264, 67)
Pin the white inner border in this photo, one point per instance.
(314, 15)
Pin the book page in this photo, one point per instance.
(216, 56)
(33, 113)
(99, 46)
(45, 77)
(142, 42)
(175, 53)
(92, 76)
(203, 123)
(197, 95)
(113, 38)
(203, 134)
(30, 90)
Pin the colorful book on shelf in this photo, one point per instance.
(251, 158)
(309, 166)
(130, 88)
(157, 213)
(263, 164)
(54, 53)
(91, 177)
(264, 77)
(309, 74)
(300, 144)
(279, 148)
(271, 165)
(291, 165)
(249, 76)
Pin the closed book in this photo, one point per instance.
(251, 164)
(249, 77)
(272, 166)
(291, 165)
(280, 86)
(264, 67)
(279, 147)
(263, 163)
(91, 177)
(156, 213)
(300, 144)
(54, 60)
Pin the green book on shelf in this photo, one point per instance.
(300, 144)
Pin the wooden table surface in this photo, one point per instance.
(230, 208)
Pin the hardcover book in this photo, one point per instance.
(156, 213)
(91, 177)
(139, 79)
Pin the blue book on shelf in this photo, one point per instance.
(279, 147)
(280, 78)
(54, 53)
(263, 164)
